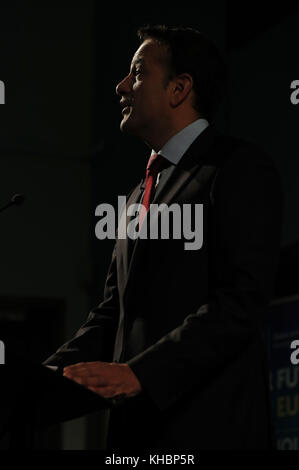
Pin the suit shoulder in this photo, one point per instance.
(242, 154)
(244, 166)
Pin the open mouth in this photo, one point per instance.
(126, 110)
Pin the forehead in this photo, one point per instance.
(150, 52)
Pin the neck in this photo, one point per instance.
(159, 138)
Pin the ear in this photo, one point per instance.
(181, 87)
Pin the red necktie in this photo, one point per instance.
(155, 164)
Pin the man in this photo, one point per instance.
(179, 334)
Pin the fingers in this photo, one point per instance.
(86, 368)
(107, 379)
(91, 374)
(94, 383)
(89, 381)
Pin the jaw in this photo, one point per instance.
(129, 123)
(150, 130)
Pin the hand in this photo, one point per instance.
(108, 379)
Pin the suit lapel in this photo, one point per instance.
(174, 181)
(124, 244)
(189, 164)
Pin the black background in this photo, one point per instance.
(61, 146)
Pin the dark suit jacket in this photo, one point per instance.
(190, 323)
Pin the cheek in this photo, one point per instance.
(153, 100)
(150, 100)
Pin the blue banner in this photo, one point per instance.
(283, 347)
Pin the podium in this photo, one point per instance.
(33, 396)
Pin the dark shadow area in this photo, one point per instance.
(61, 146)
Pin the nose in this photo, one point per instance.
(124, 86)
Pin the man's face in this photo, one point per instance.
(144, 96)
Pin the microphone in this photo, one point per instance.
(16, 200)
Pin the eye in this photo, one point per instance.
(137, 72)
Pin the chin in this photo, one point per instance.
(127, 126)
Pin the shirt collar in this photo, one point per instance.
(175, 147)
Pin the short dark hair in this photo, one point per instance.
(192, 52)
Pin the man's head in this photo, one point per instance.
(176, 76)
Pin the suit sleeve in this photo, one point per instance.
(95, 339)
(244, 240)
